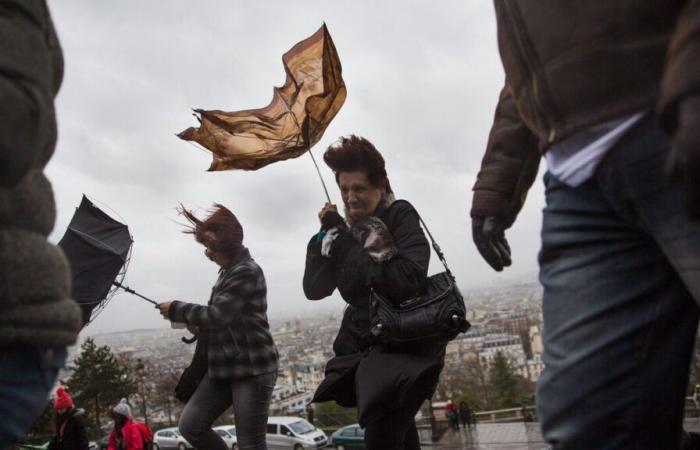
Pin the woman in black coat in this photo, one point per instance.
(70, 426)
(378, 245)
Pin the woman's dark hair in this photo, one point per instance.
(221, 224)
(354, 153)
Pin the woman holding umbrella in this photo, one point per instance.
(242, 358)
(379, 245)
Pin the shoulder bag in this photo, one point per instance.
(437, 314)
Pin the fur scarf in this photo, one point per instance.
(370, 232)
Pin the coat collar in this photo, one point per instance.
(242, 256)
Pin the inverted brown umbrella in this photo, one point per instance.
(291, 124)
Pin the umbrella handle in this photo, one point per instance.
(323, 183)
(131, 291)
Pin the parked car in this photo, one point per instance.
(351, 437)
(170, 438)
(293, 433)
(228, 434)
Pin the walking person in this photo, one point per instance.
(38, 319)
(378, 244)
(465, 414)
(70, 424)
(125, 435)
(241, 355)
(609, 92)
(310, 413)
(452, 414)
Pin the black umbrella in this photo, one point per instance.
(98, 249)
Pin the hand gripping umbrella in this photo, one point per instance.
(98, 249)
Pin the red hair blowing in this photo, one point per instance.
(220, 231)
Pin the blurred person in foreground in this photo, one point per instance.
(379, 244)
(609, 92)
(242, 357)
(38, 319)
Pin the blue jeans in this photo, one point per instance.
(251, 403)
(620, 267)
(27, 374)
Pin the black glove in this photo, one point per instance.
(684, 159)
(331, 219)
(490, 239)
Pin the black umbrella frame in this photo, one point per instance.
(98, 248)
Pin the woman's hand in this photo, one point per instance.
(326, 209)
(329, 217)
(164, 309)
(194, 329)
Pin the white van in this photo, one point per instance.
(293, 433)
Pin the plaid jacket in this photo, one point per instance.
(234, 323)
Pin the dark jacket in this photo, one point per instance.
(35, 303)
(234, 323)
(374, 379)
(73, 435)
(572, 64)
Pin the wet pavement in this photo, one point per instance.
(493, 436)
(507, 436)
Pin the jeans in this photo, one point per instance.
(251, 402)
(27, 374)
(620, 268)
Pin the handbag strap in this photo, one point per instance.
(436, 247)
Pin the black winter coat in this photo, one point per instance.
(374, 379)
(74, 436)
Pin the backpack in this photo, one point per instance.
(146, 435)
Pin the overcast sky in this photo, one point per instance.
(422, 80)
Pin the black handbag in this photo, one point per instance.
(194, 373)
(437, 314)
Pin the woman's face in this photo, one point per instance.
(216, 257)
(359, 196)
(209, 250)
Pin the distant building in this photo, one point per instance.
(509, 345)
(309, 375)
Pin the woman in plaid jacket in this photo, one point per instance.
(242, 358)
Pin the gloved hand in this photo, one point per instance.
(684, 159)
(329, 217)
(490, 239)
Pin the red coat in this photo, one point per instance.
(131, 435)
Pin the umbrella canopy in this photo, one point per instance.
(97, 248)
(291, 124)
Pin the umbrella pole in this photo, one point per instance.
(131, 291)
(323, 183)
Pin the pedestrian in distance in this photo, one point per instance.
(242, 359)
(609, 92)
(126, 434)
(70, 424)
(452, 414)
(378, 244)
(465, 414)
(310, 413)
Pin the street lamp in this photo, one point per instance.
(142, 391)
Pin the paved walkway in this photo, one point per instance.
(507, 436)
(494, 436)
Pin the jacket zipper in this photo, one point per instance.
(527, 55)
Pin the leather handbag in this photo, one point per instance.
(437, 314)
(194, 373)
